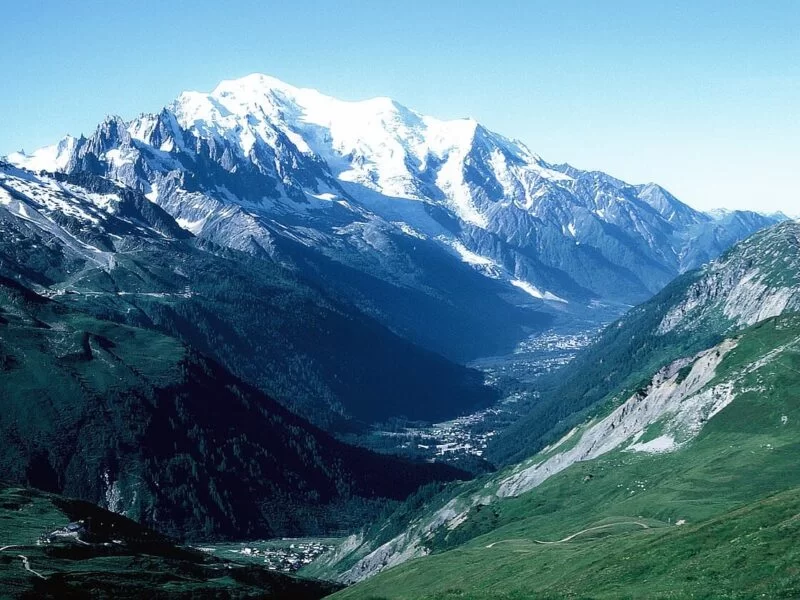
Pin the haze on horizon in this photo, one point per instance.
(700, 97)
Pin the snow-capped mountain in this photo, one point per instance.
(73, 225)
(399, 201)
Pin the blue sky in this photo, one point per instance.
(702, 97)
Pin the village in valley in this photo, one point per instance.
(465, 438)
(286, 555)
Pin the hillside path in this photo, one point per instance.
(27, 564)
(574, 535)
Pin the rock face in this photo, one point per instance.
(683, 403)
(399, 201)
(752, 282)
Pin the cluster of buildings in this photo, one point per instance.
(287, 559)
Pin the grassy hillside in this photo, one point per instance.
(745, 553)
(754, 280)
(140, 423)
(715, 518)
(54, 547)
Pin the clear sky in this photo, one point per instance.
(702, 97)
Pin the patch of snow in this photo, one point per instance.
(410, 231)
(49, 158)
(152, 195)
(469, 257)
(116, 157)
(141, 128)
(192, 226)
(536, 292)
(325, 196)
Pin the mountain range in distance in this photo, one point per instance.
(392, 208)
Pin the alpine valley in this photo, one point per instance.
(673, 476)
(263, 312)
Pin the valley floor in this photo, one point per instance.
(462, 441)
(286, 555)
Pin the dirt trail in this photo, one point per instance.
(574, 535)
(27, 564)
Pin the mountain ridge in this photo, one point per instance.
(259, 165)
(105, 249)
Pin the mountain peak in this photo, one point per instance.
(48, 158)
(266, 147)
(255, 85)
